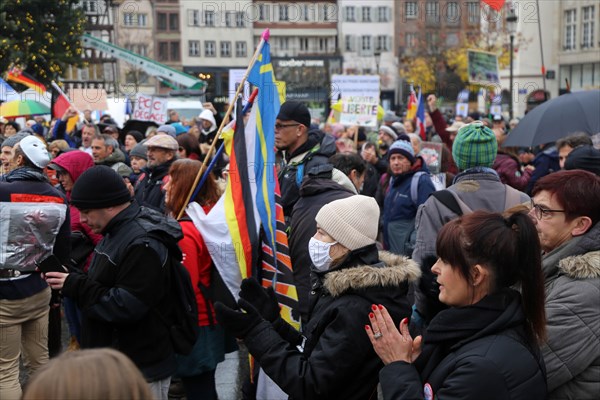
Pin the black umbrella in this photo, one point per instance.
(557, 118)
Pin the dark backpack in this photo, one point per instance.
(183, 320)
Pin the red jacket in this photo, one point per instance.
(198, 262)
(509, 170)
(439, 123)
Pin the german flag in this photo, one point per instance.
(17, 75)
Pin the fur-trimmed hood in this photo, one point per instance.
(392, 272)
(584, 266)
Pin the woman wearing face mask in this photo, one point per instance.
(336, 360)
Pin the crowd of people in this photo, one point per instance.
(481, 284)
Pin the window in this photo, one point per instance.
(349, 43)
(173, 22)
(452, 13)
(473, 12)
(142, 19)
(194, 18)
(264, 10)
(365, 44)
(303, 44)
(589, 14)
(240, 49)
(411, 40)
(142, 50)
(323, 44)
(194, 48)
(432, 11)
(225, 49)
(349, 13)
(210, 48)
(283, 12)
(161, 21)
(128, 19)
(163, 51)
(239, 19)
(136, 76)
(174, 53)
(570, 29)
(90, 6)
(383, 14)
(410, 9)
(366, 14)
(209, 18)
(383, 43)
(229, 19)
(283, 43)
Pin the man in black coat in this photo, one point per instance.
(125, 294)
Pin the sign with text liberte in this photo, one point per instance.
(359, 97)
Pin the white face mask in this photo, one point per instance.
(319, 254)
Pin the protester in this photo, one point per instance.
(139, 158)
(132, 138)
(6, 154)
(11, 128)
(125, 292)
(486, 345)
(88, 374)
(566, 214)
(301, 150)
(88, 133)
(60, 129)
(509, 168)
(403, 189)
(197, 370)
(189, 147)
(27, 197)
(446, 133)
(545, 162)
(149, 189)
(69, 167)
(57, 147)
(567, 144)
(584, 157)
(478, 187)
(322, 185)
(337, 360)
(371, 180)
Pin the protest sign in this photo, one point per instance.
(431, 152)
(359, 98)
(483, 68)
(148, 108)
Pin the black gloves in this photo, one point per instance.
(238, 323)
(263, 299)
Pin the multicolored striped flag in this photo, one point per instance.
(412, 104)
(17, 75)
(421, 117)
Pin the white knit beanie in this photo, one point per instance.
(352, 221)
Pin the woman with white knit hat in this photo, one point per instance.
(332, 358)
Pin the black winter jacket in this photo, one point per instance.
(315, 192)
(127, 287)
(149, 190)
(474, 352)
(338, 361)
(316, 151)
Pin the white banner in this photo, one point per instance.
(235, 77)
(148, 108)
(359, 98)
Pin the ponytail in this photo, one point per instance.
(528, 267)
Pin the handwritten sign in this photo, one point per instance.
(148, 108)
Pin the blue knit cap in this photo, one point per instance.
(475, 145)
(402, 147)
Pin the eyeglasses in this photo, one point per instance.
(541, 212)
(279, 126)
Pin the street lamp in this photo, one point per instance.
(377, 55)
(511, 25)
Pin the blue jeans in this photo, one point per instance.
(73, 315)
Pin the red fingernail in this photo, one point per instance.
(405, 321)
(380, 307)
(371, 315)
(367, 327)
(374, 307)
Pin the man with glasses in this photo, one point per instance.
(301, 148)
(566, 211)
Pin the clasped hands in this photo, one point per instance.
(389, 343)
(255, 305)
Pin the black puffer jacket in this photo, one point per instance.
(127, 287)
(474, 352)
(338, 361)
(315, 151)
(149, 189)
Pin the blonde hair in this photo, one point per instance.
(92, 374)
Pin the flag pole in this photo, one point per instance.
(264, 37)
(59, 90)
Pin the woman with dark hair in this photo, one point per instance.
(485, 346)
(189, 147)
(197, 370)
(566, 212)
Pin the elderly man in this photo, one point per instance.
(149, 189)
(125, 293)
(301, 150)
(566, 213)
(34, 224)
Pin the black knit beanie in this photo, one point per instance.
(584, 157)
(99, 187)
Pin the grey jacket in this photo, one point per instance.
(572, 351)
(480, 189)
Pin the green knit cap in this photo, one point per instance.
(475, 145)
